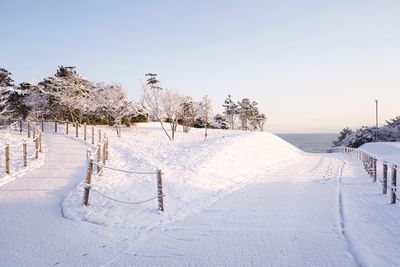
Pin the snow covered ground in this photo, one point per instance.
(11, 135)
(385, 151)
(236, 199)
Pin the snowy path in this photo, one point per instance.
(33, 230)
(285, 219)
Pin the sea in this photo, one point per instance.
(311, 142)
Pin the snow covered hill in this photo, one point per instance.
(197, 173)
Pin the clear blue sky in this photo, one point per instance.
(313, 66)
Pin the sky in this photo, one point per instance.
(312, 66)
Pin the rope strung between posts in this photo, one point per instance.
(33, 155)
(121, 170)
(121, 201)
(16, 145)
(97, 149)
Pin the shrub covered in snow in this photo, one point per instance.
(387, 133)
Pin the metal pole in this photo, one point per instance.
(376, 120)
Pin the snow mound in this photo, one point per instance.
(196, 173)
(388, 151)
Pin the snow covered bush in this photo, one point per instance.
(387, 133)
(110, 103)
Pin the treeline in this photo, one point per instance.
(169, 106)
(390, 132)
(68, 95)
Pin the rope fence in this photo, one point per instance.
(95, 159)
(19, 151)
(100, 164)
(371, 164)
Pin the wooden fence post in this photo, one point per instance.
(84, 131)
(55, 126)
(384, 182)
(42, 124)
(370, 166)
(89, 173)
(29, 128)
(67, 128)
(160, 191)
(34, 131)
(37, 147)
(107, 149)
(104, 153)
(20, 125)
(98, 159)
(374, 160)
(394, 184)
(105, 143)
(40, 142)
(92, 135)
(25, 151)
(8, 158)
(76, 129)
(99, 136)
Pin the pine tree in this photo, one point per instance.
(231, 111)
(188, 113)
(6, 90)
(342, 135)
(394, 123)
(247, 111)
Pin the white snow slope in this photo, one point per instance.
(236, 199)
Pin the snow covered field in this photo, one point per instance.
(236, 199)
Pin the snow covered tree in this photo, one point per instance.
(205, 112)
(6, 90)
(258, 120)
(231, 111)
(394, 123)
(36, 101)
(368, 134)
(221, 122)
(247, 111)
(111, 103)
(68, 93)
(152, 98)
(172, 103)
(342, 135)
(188, 113)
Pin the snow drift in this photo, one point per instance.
(197, 173)
(388, 151)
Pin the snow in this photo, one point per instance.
(196, 173)
(371, 222)
(385, 151)
(12, 136)
(236, 198)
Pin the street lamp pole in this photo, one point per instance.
(376, 120)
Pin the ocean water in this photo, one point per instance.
(314, 143)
